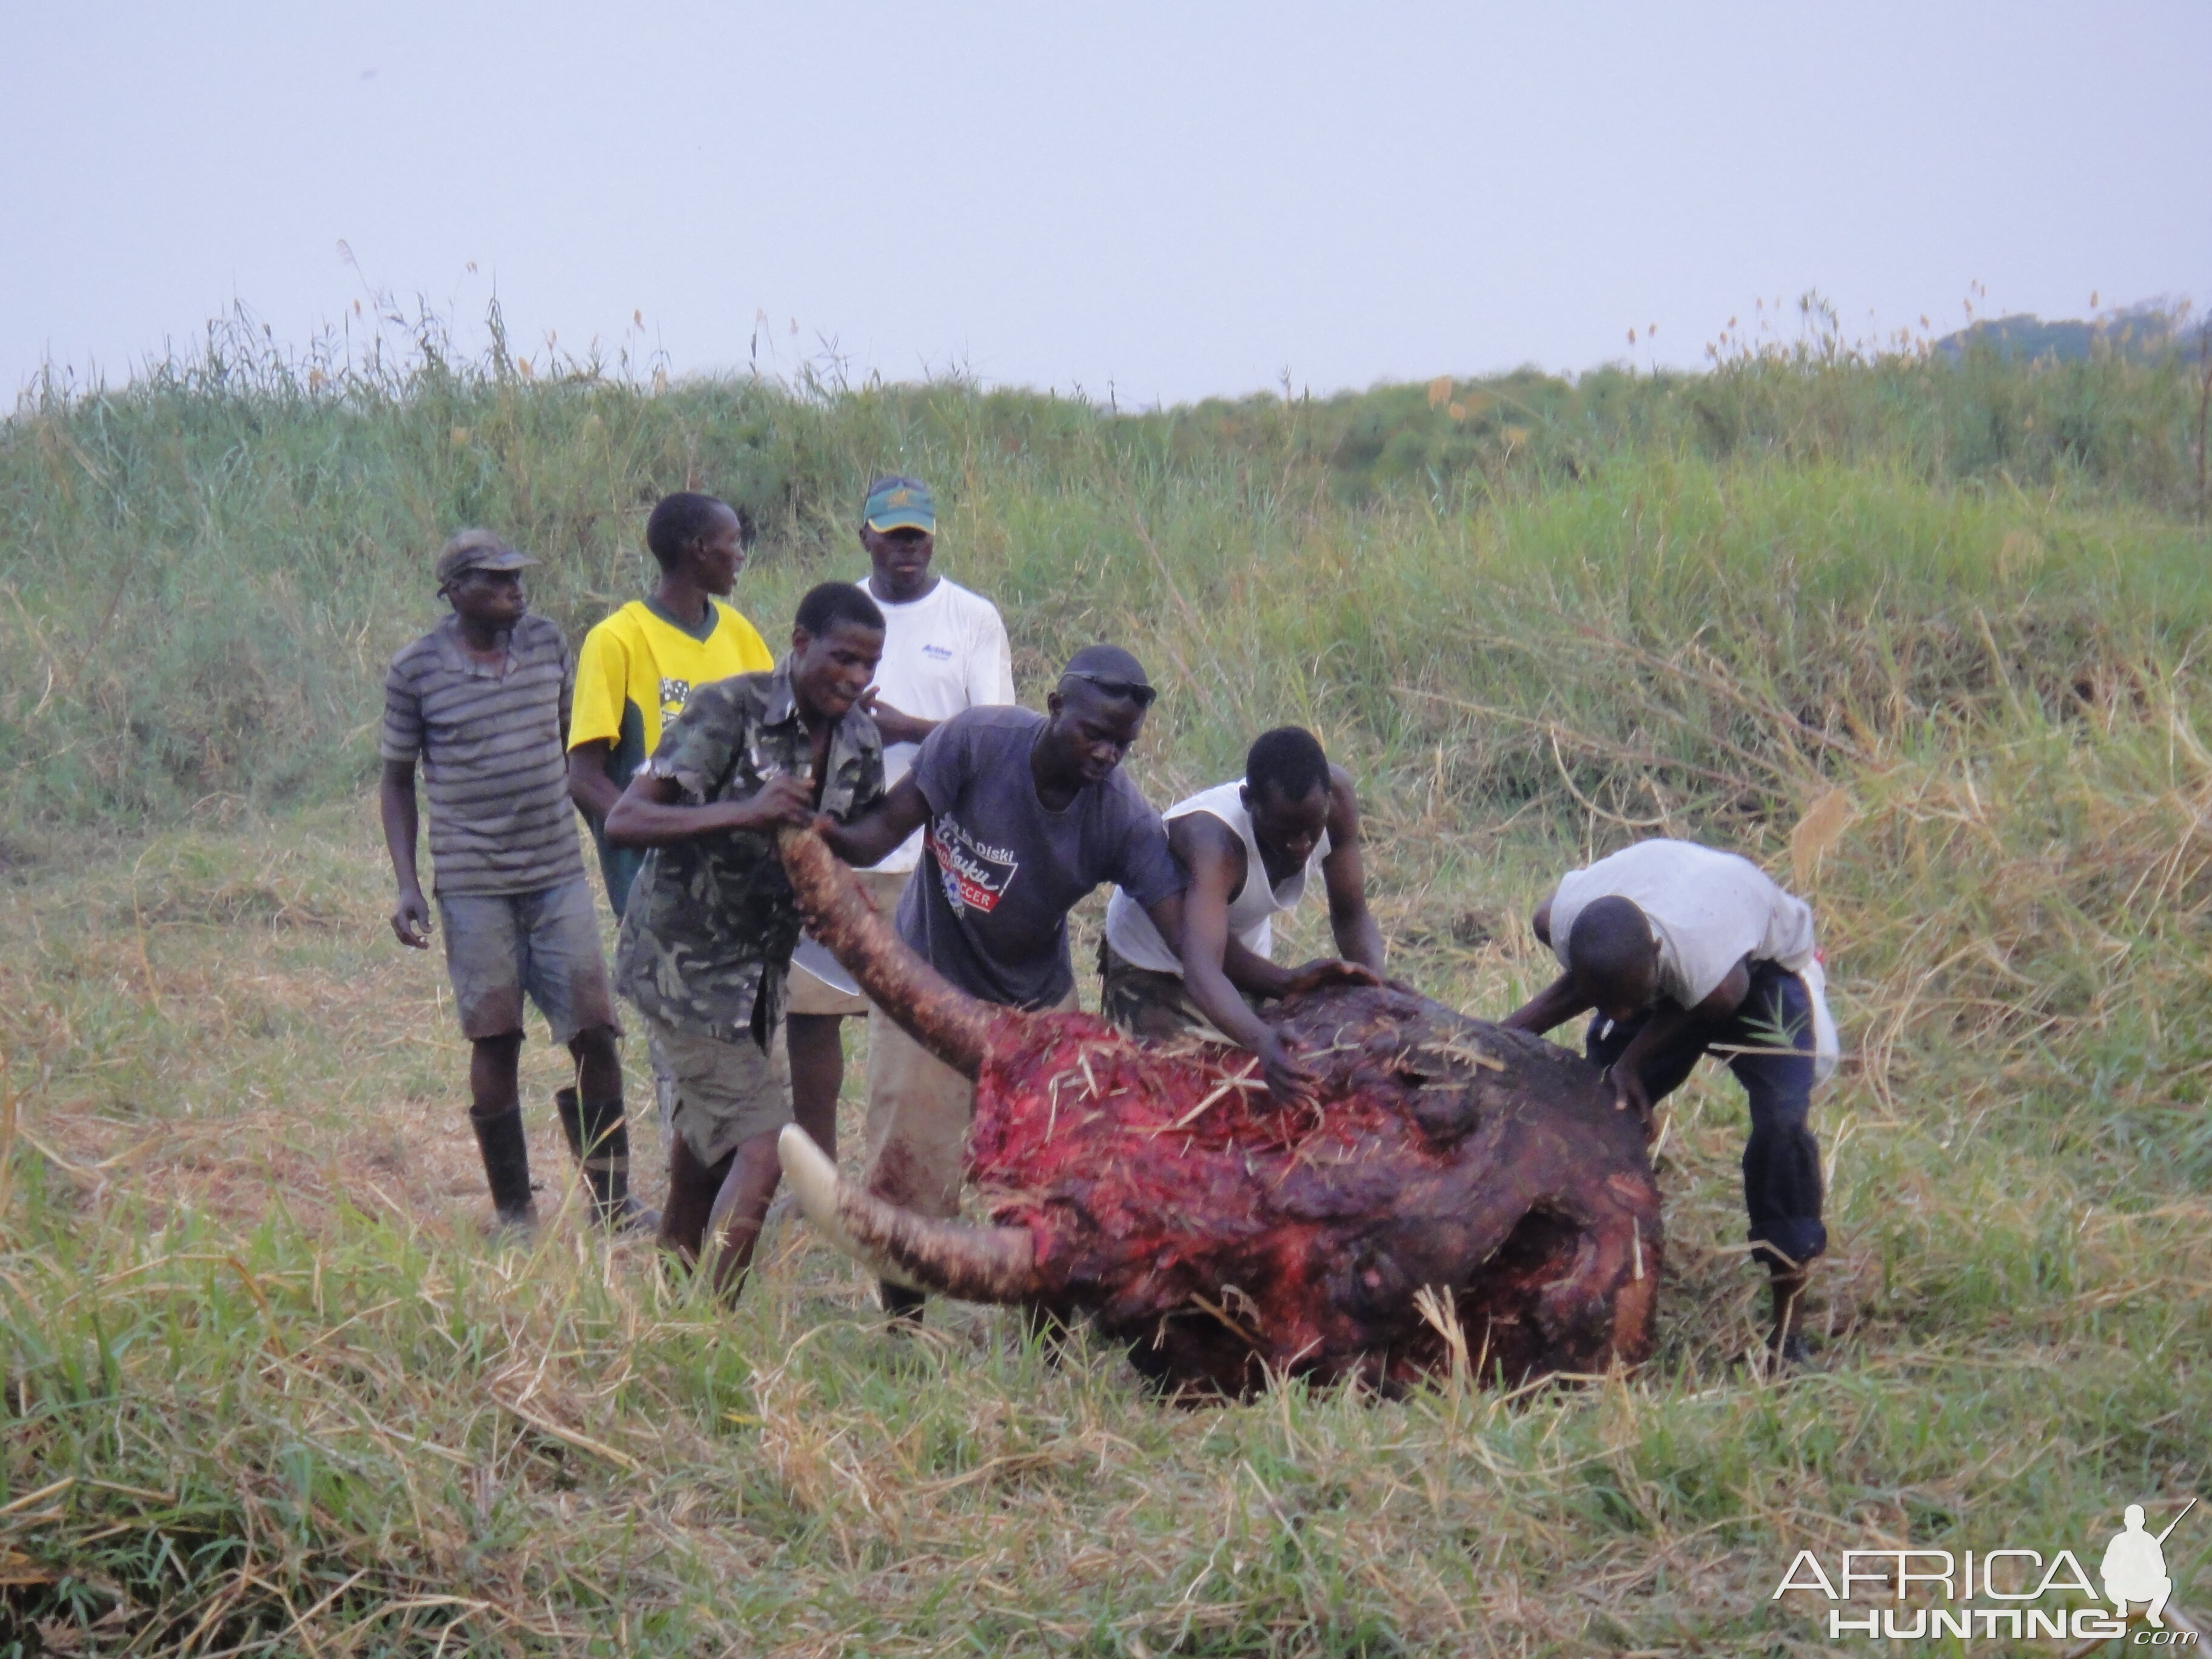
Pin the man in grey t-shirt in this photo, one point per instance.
(1025, 813)
(482, 703)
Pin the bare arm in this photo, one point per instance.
(1216, 859)
(649, 813)
(1727, 996)
(589, 786)
(896, 724)
(1255, 974)
(869, 840)
(1345, 873)
(395, 804)
(1668, 1021)
(1555, 1004)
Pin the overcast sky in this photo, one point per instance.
(1173, 200)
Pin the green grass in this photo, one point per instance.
(299, 1406)
(202, 573)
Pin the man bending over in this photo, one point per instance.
(1249, 847)
(1026, 813)
(708, 934)
(1683, 951)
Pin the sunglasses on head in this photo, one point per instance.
(1141, 695)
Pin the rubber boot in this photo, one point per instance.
(598, 1134)
(506, 1167)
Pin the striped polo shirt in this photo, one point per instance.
(493, 744)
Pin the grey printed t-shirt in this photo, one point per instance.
(988, 907)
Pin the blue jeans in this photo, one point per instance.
(1768, 1044)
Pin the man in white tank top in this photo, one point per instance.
(1249, 847)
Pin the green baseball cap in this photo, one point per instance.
(900, 504)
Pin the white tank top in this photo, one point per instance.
(1137, 942)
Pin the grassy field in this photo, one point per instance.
(1924, 640)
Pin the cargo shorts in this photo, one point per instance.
(1153, 1006)
(501, 947)
(725, 1093)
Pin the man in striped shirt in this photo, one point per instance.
(483, 702)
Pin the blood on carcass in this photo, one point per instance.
(1227, 1239)
(1453, 1187)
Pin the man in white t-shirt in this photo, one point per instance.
(945, 650)
(1683, 951)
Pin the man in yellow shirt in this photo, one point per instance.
(638, 667)
(635, 673)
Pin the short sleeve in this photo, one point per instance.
(568, 684)
(1144, 866)
(602, 685)
(1564, 909)
(402, 714)
(1692, 964)
(990, 659)
(699, 748)
(868, 793)
(753, 655)
(940, 766)
(1677, 980)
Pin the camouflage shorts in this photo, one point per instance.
(725, 1093)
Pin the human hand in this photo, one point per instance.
(1330, 970)
(832, 835)
(896, 726)
(1628, 1092)
(1290, 1079)
(786, 799)
(411, 919)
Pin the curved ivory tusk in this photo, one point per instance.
(951, 1024)
(954, 1258)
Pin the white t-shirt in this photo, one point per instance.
(1708, 910)
(942, 653)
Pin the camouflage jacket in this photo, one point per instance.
(707, 936)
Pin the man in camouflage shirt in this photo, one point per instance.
(706, 942)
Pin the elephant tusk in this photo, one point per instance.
(951, 1024)
(953, 1258)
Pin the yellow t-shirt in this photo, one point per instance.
(637, 669)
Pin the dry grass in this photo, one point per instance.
(305, 1407)
(267, 1389)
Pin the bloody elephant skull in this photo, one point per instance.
(1158, 1191)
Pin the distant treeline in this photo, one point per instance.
(2147, 333)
